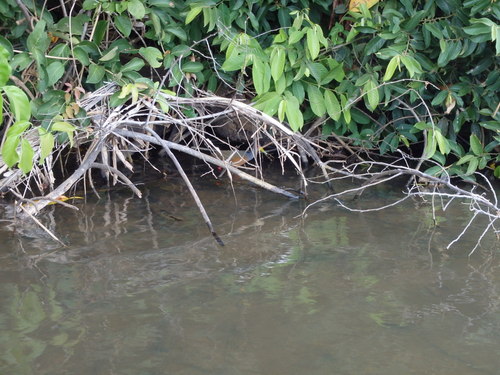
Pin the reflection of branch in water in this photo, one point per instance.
(376, 173)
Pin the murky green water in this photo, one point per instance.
(142, 289)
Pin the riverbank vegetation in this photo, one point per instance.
(362, 89)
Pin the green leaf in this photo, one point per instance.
(133, 65)
(123, 24)
(96, 73)
(38, 40)
(295, 36)
(281, 110)
(26, 157)
(136, 9)
(345, 109)
(192, 67)
(81, 55)
(444, 146)
(110, 55)
(465, 159)
(55, 71)
(9, 153)
(192, 14)
(434, 30)
(391, 68)
(332, 105)
(312, 43)
(475, 145)
(65, 127)
(277, 62)
(372, 95)
(261, 76)
(268, 102)
(100, 29)
(46, 144)
(316, 100)
(18, 103)
(430, 145)
(18, 128)
(234, 62)
(5, 70)
(412, 65)
(293, 113)
(152, 55)
(472, 166)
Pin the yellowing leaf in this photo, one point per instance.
(355, 4)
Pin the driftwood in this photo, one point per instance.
(118, 133)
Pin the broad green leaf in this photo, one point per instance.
(65, 127)
(412, 65)
(46, 144)
(475, 145)
(430, 145)
(81, 55)
(391, 68)
(372, 95)
(5, 70)
(192, 67)
(294, 114)
(345, 109)
(38, 40)
(497, 171)
(261, 76)
(100, 29)
(312, 43)
(282, 110)
(280, 85)
(277, 62)
(9, 153)
(235, 62)
(18, 128)
(6, 49)
(193, 13)
(110, 55)
(136, 9)
(444, 146)
(55, 71)
(465, 159)
(434, 29)
(26, 157)
(473, 164)
(96, 73)
(317, 70)
(336, 73)
(332, 105)
(268, 102)
(123, 24)
(295, 36)
(133, 65)
(18, 103)
(316, 100)
(152, 55)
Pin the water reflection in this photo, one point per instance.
(143, 289)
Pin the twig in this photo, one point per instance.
(206, 158)
(42, 226)
(115, 171)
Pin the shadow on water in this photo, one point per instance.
(143, 289)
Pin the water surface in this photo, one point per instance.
(142, 288)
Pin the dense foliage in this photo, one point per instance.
(419, 76)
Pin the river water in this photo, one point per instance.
(142, 288)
